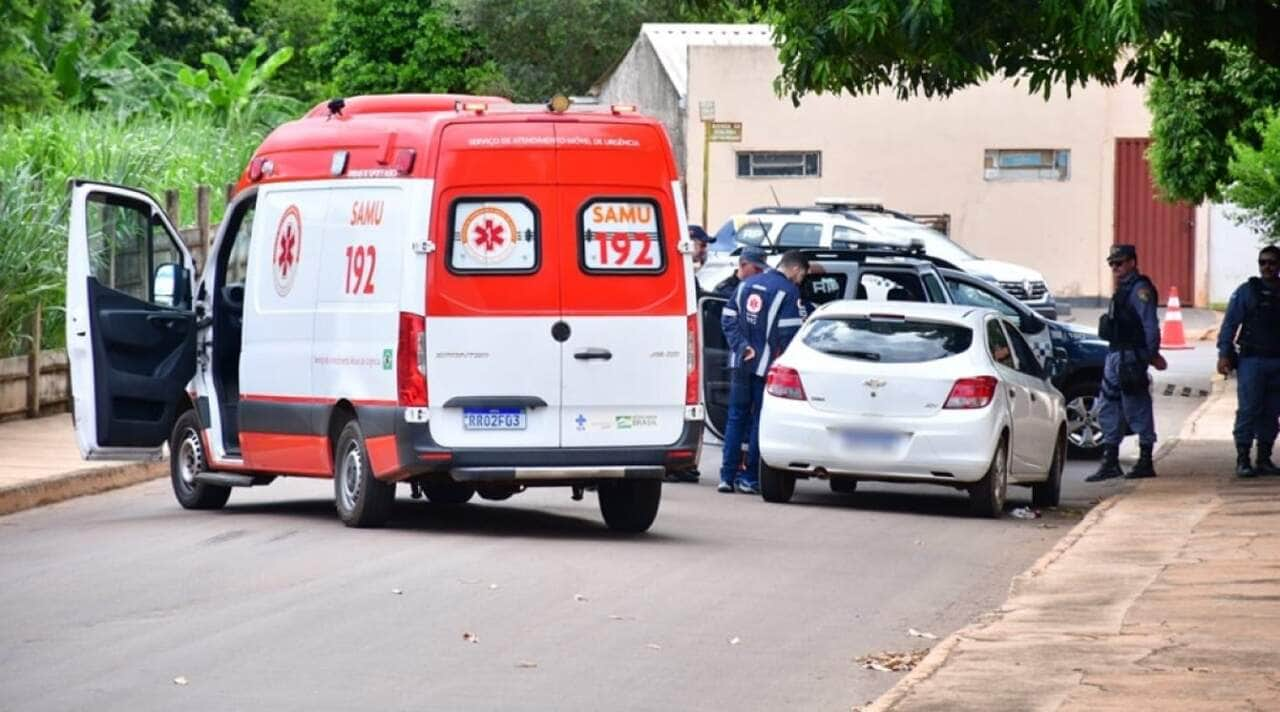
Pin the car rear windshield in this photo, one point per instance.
(888, 340)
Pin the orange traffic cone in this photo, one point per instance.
(1171, 334)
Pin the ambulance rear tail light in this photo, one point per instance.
(404, 160)
(692, 392)
(411, 361)
(260, 168)
(478, 107)
(623, 109)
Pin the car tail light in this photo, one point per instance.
(785, 382)
(692, 391)
(970, 393)
(411, 360)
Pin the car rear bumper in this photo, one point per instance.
(948, 447)
(419, 454)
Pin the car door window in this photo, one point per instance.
(1027, 361)
(936, 293)
(975, 296)
(890, 285)
(130, 250)
(842, 236)
(998, 345)
(800, 235)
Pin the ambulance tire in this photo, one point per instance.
(629, 505)
(362, 500)
(449, 493)
(187, 459)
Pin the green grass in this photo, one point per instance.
(38, 154)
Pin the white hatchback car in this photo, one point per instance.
(912, 392)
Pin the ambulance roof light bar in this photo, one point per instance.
(479, 107)
(838, 203)
(619, 109)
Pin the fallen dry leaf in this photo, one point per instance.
(180, 680)
(470, 637)
(893, 662)
(921, 634)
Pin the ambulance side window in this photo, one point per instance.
(620, 235)
(238, 260)
(127, 248)
(491, 235)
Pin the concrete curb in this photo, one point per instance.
(938, 656)
(77, 484)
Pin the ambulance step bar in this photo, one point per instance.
(227, 479)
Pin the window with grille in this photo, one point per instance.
(779, 164)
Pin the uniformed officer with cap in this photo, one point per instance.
(1132, 331)
(1254, 310)
(759, 322)
(751, 261)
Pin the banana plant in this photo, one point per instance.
(236, 94)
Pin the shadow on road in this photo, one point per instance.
(476, 518)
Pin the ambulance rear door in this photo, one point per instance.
(624, 290)
(493, 330)
(131, 330)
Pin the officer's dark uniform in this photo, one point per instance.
(1255, 310)
(1132, 331)
(764, 314)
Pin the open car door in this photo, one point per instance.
(131, 331)
(715, 365)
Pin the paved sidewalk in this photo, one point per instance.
(40, 463)
(1166, 597)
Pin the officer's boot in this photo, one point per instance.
(1243, 467)
(1264, 465)
(1144, 467)
(1110, 467)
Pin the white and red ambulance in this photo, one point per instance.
(451, 291)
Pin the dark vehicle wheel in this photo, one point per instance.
(448, 493)
(843, 485)
(186, 460)
(1049, 492)
(1084, 435)
(987, 496)
(776, 485)
(629, 505)
(362, 500)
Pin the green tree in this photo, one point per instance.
(1255, 182)
(935, 47)
(372, 46)
(298, 24)
(183, 30)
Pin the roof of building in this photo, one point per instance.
(671, 42)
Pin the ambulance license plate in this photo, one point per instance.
(494, 419)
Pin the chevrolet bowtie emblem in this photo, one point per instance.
(873, 383)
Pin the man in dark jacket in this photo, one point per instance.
(1254, 311)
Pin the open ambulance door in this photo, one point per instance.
(131, 330)
(715, 365)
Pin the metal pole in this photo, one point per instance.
(706, 168)
(33, 363)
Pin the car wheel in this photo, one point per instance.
(986, 496)
(362, 499)
(629, 505)
(1084, 434)
(1049, 492)
(843, 485)
(186, 460)
(449, 493)
(776, 485)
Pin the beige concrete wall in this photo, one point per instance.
(926, 156)
(639, 79)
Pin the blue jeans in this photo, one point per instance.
(746, 391)
(1258, 392)
(1118, 408)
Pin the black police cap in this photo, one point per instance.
(1120, 253)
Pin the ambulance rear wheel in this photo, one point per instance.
(186, 460)
(629, 505)
(449, 493)
(362, 499)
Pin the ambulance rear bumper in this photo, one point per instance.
(419, 454)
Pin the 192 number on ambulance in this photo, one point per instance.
(624, 250)
(361, 261)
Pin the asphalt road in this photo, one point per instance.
(727, 603)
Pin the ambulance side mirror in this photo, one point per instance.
(169, 286)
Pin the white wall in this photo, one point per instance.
(1233, 253)
(926, 156)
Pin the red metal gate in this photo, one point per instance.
(1163, 232)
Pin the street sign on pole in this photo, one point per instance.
(706, 111)
(726, 131)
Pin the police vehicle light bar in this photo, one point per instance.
(850, 203)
